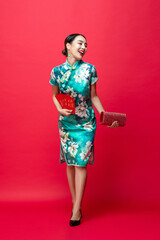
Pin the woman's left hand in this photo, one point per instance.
(115, 124)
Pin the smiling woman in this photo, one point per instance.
(76, 40)
(77, 131)
(75, 78)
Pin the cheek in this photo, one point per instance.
(75, 49)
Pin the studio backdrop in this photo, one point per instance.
(123, 44)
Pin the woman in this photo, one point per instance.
(77, 131)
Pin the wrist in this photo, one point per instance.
(101, 111)
(59, 110)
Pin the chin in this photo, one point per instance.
(79, 58)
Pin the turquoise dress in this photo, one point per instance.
(77, 131)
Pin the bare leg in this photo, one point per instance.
(80, 183)
(71, 181)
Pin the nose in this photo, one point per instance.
(83, 46)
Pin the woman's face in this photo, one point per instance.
(77, 48)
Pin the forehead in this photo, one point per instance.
(80, 38)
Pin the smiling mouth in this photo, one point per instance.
(81, 53)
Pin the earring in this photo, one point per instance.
(69, 55)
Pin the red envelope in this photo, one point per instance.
(66, 101)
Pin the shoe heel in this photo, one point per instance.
(73, 223)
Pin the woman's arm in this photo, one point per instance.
(55, 91)
(95, 99)
(98, 105)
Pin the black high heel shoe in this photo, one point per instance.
(75, 222)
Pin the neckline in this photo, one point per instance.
(74, 65)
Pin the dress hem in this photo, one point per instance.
(76, 164)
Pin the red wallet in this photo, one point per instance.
(107, 118)
(66, 101)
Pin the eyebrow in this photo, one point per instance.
(82, 41)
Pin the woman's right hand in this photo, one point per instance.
(115, 124)
(65, 112)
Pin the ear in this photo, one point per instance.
(68, 45)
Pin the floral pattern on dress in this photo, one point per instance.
(86, 151)
(82, 74)
(76, 131)
(73, 148)
(82, 110)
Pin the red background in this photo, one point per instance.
(123, 43)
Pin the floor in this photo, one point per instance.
(50, 221)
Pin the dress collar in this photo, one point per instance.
(74, 65)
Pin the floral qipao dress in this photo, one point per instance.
(77, 131)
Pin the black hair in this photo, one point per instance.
(69, 39)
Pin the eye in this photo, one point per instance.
(81, 44)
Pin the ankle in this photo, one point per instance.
(76, 208)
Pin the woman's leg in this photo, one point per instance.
(71, 181)
(80, 183)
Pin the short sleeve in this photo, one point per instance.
(94, 77)
(53, 80)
